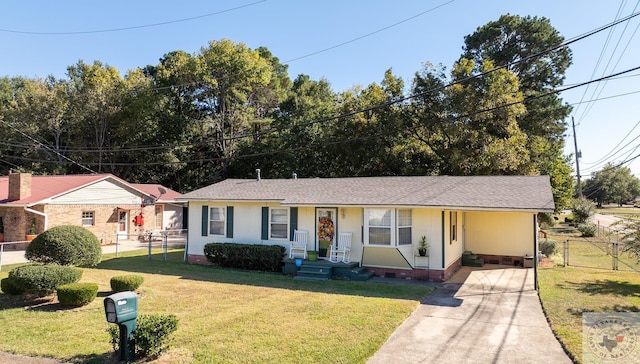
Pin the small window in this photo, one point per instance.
(216, 221)
(453, 217)
(279, 223)
(88, 218)
(404, 227)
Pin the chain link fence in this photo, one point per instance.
(606, 250)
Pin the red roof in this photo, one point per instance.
(154, 189)
(46, 187)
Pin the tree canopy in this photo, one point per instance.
(612, 184)
(226, 110)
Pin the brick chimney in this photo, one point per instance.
(19, 186)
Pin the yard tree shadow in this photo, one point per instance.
(610, 287)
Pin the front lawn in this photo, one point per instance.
(224, 315)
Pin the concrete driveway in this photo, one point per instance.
(482, 315)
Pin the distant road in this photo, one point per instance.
(604, 220)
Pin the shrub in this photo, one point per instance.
(77, 294)
(150, 334)
(548, 247)
(546, 219)
(66, 245)
(266, 258)
(126, 283)
(568, 218)
(8, 287)
(588, 229)
(43, 279)
(582, 209)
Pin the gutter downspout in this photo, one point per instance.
(535, 251)
(46, 218)
(443, 246)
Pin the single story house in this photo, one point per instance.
(495, 217)
(108, 206)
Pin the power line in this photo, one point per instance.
(131, 27)
(350, 140)
(369, 34)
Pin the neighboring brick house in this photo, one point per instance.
(106, 205)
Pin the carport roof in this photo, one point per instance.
(507, 193)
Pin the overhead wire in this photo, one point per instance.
(349, 140)
(135, 26)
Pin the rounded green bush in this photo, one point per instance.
(43, 279)
(77, 294)
(8, 287)
(66, 245)
(129, 282)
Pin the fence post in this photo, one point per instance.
(150, 237)
(566, 253)
(165, 244)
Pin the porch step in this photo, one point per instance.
(360, 274)
(315, 273)
(471, 260)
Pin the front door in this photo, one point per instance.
(326, 222)
(123, 224)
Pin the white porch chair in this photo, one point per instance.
(299, 244)
(343, 250)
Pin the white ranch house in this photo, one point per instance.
(492, 216)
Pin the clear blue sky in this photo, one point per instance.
(401, 35)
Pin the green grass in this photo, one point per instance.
(588, 284)
(224, 315)
(568, 292)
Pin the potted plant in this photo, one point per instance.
(32, 230)
(312, 255)
(423, 247)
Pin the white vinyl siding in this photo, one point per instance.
(216, 221)
(278, 223)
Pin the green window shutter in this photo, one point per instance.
(265, 223)
(293, 221)
(205, 220)
(229, 221)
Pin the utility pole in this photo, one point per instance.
(578, 155)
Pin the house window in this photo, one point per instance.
(380, 227)
(279, 223)
(390, 227)
(88, 218)
(404, 227)
(453, 221)
(216, 221)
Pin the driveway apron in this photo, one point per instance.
(491, 315)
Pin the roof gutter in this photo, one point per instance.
(46, 218)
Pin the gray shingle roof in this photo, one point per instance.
(475, 193)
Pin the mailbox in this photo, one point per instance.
(121, 307)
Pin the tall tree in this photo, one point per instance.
(531, 48)
(612, 184)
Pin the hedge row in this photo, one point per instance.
(77, 294)
(40, 279)
(129, 282)
(266, 258)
